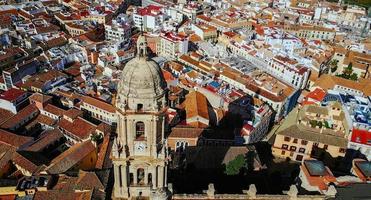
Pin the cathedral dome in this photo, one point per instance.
(141, 78)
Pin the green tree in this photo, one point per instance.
(319, 124)
(348, 71)
(326, 124)
(353, 77)
(313, 123)
(235, 166)
(98, 138)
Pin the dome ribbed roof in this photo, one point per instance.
(141, 77)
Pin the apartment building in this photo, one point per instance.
(312, 131)
(281, 67)
(98, 109)
(172, 45)
(148, 18)
(119, 29)
(311, 32)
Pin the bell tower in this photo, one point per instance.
(140, 149)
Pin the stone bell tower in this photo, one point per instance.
(139, 152)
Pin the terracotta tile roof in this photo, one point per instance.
(167, 75)
(79, 127)
(37, 97)
(105, 128)
(66, 195)
(73, 71)
(196, 105)
(175, 66)
(42, 119)
(13, 139)
(73, 113)
(70, 157)
(84, 181)
(54, 110)
(12, 94)
(327, 82)
(39, 80)
(185, 132)
(194, 38)
(24, 163)
(6, 154)
(99, 104)
(317, 94)
(103, 150)
(55, 42)
(5, 115)
(20, 116)
(46, 138)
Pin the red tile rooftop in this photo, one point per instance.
(5, 115)
(173, 36)
(13, 139)
(12, 94)
(79, 127)
(150, 10)
(20, 117)
(318, 94)
(70, 157)
(98, 103)
(54, 110)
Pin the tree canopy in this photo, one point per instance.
(234, 166)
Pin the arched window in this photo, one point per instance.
(139, 130)
(140, 176)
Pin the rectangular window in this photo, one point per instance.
(299, 157)
(325, 147)
(341, 150)
(285, 146)
(295, 141)
(302, 150)
(293, 148)
(283, 152)
(304, 142)
(287, 139)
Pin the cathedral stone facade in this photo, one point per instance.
(139, 153)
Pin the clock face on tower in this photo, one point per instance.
(140, 147)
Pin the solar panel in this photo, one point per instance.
(315, 167)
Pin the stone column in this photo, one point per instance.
(124, 173)
(117, 188)
(145, 176)
(154, 177)
(165, 174)
(161, 177)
